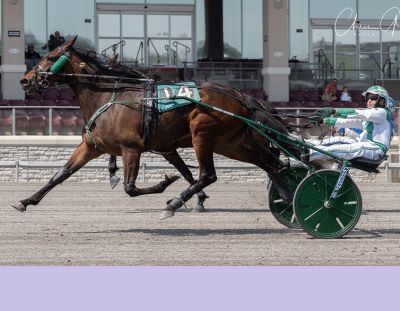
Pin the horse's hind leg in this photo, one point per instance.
(208, 176)
(280, 185)
(112, 168)
(131, 160)
(82, 154)
(175, 159)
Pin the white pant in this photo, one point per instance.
(346, 148)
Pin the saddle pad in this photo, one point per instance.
(165, 91)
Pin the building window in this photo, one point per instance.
(243, 29)
(43, 17)
(160, 36)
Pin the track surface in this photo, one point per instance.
(90, 224)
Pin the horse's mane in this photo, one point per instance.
(103, 66)
(261, 111)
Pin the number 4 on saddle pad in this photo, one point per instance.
(166, 91)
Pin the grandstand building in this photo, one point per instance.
(286, 50)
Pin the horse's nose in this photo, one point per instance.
(24, 82)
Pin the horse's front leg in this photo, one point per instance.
(175, 159)
(82, 154)
(112, 168)
(131, 163)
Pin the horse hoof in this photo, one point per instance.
(167, 214)
(199, 209)
(19, 207)
(114, 181)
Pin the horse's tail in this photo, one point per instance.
(269, 117)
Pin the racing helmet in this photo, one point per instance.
(380, 91)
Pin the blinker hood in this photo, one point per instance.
(59, 64)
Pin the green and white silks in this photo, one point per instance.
(371, 143)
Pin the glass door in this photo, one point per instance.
(133, 33)
(154, 38)
(169, 39)
(158, 43)
(122, 34)
(345, 55)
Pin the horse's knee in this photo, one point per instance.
(131, 190)
(213, 178)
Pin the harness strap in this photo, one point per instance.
(103, 109)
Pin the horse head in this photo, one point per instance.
(44, 73)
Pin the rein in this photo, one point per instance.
(242, 100)
(100, 77)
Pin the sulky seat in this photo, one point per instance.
(367, 164)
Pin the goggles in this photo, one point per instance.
(372, 97)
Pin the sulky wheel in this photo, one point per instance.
(313, 213)
(280, 210)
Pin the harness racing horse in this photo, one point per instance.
(117, 129)
(171, 156)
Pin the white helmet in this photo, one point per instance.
(380, 91)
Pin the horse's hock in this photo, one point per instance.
(26, 160)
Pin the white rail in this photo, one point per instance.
(145, 166)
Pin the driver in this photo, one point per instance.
(375, 125)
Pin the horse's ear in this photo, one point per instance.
(74, 39)
(70, 43)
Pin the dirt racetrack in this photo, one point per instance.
(90, 224)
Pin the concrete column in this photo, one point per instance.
(276, 49)
(214, 45)
(13, 50)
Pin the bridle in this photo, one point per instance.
(60, 62)
(43, 83)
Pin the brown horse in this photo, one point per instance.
(117, 131)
